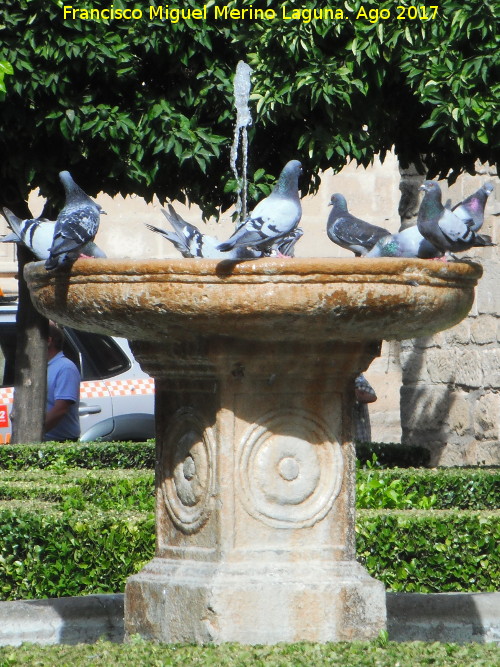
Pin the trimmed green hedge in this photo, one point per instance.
(45, 553)
(48, 553)
(142, 455)
(443, 488)
(79, 489)
(78, 455)
(434, 551)
(447, 488)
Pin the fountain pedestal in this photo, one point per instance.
(254, 367)
(255, 507)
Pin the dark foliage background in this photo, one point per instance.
(146, 107)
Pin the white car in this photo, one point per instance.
(116, 396)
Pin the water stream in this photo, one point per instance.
(242, 86)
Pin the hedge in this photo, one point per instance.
(142, 455)
(45, 553)
(78, 455)
(433, 551)
(443, 488)
(48, 553)
(462, 488)
(79, 489)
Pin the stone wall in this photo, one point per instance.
(449, 384)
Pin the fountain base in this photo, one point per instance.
(254, 603)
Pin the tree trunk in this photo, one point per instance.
(30, 386)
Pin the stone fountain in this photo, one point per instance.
(254, 365)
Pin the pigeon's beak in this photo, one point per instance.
(422, 188)
(103, 212)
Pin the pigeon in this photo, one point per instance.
(76, 224)
(473, 206)
(407, 243)
(445, 230)
(37, 234)
(190, 242)
(350, 232)
(274, 217)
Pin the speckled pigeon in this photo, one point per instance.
(274, 217)
(190, 242)
(76, 224)
(37, 234)
(473, 206)
(407, 243)
(442, 228)
(350, 232)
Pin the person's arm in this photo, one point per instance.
(56, 413)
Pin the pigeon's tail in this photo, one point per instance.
(158, 230)
(13, 221)
(483, 240)
(10, 238)
(176, 241)
(226, 247)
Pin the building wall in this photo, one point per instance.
(449, 384)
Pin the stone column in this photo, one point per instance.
(255, 496)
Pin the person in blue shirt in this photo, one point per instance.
(63, 391)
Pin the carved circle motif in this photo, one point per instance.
(290, 469)
(188, 470)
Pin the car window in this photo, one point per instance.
(100, 356)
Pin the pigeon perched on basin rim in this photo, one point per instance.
(473, 206)
(37, 235)
(442, 228)
(190, 242)
(350, 232)
(274, 217)
(76, 224)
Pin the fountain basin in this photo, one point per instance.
(254, 366)
(268, 299)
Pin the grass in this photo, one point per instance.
(355, 654)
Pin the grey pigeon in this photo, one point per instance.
(350, 232)
(190, 242)
(76, 224)
(473, 206)
(407, 243)
(274, 217)
(37, 234)
(442, 228)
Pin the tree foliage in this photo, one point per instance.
(146, 106)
